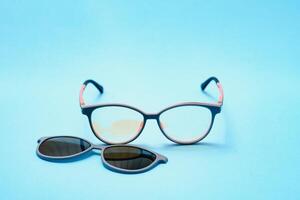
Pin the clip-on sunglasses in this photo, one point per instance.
(119, 158)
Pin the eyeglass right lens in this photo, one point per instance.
(63, 146)
(116, 124)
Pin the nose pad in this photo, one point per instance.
(161, 124)
(150, 130)
(142, 124)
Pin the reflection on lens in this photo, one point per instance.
(130, 158)
(116, 124)
(186, 123)
(63, 146)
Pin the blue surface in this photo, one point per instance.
(151, 55)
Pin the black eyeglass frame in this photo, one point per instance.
(158, 157)
(214, 108)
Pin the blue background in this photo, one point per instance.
(152, 54)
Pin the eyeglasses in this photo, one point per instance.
(184, 123)
(119, 158)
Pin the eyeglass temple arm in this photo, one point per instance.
(94, 83)
(219, 85)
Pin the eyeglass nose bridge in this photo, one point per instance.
(151, 116)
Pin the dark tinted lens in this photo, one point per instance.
(63, 146)
(130, 158)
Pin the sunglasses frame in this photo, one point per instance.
(158, 157)
(214, 108)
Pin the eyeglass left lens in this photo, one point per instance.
(186, 124)
(63, 146)
(129, 158)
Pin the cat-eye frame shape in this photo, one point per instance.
(184, 123)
